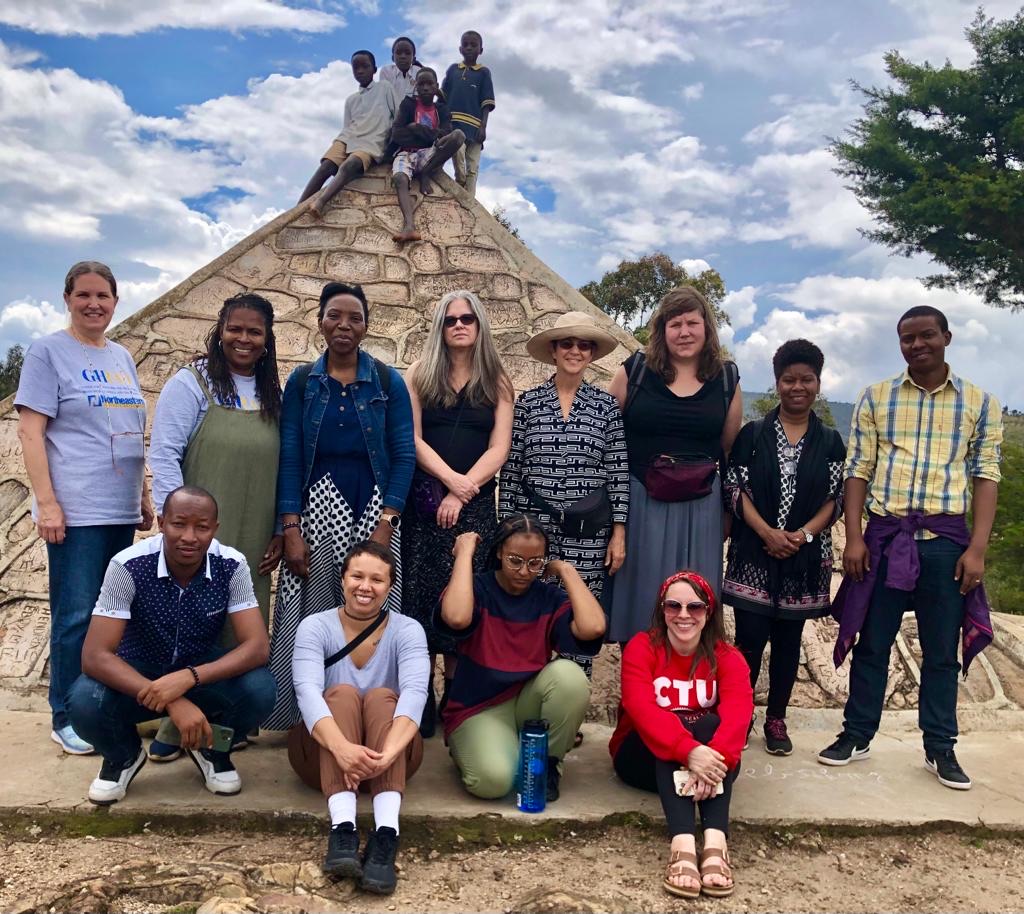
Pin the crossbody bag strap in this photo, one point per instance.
(356, 641)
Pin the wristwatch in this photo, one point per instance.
(808, 537)
(394, 521)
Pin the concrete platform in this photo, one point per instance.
(891, 788)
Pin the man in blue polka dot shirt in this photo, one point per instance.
(153, 650)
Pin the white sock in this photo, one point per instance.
(385, 809)
(342, 807)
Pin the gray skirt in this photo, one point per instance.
(661, 538)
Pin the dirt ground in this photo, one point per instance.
(615, 869)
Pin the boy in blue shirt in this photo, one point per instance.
(469, 92)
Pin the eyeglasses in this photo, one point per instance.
(674, 607)
(582, 345)
(516, 563)
(467, 320)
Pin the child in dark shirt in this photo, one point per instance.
(364, 135)
(423, 134)
(469, 92)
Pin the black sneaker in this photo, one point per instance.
(217, 769)
(943, 763)
(843, 751)
(776, 737)
(342, 857)
(379, 874)
(552, 792)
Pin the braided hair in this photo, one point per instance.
(268, 384)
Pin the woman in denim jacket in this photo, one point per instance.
(347, 456)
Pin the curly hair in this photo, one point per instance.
(683, 300)
(797, 352)
(268, 383)
(369, 547)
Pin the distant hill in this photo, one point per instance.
(841, 412)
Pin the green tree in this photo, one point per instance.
(501, 214)
(938, 159)
(10, 370)
(1004, 575)
(631, 291)
(767, 402)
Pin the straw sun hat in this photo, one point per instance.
(576, 324)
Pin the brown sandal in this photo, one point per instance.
(716, 869)
(682, 863)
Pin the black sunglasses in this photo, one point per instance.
(582, 345)
(467, 320)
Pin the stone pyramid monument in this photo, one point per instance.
(288, 261)
(463, 247)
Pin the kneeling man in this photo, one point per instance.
(152, 650)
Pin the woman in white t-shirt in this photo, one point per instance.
(81, 423)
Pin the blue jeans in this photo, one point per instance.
(77, 567)
(107, 718)
(939, 608)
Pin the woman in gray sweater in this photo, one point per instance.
(360, 713)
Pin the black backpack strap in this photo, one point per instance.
(635, 379)
(356, 641)
(383, 375)
(731, 380)
(302, 373)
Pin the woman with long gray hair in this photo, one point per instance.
(462, 414)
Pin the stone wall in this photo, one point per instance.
(288, 261)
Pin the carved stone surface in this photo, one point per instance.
(463, 247)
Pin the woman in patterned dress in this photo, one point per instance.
(462, 414)
(347, 456)
(568, 443)
(784, 487)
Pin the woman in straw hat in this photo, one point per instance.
(568, 463)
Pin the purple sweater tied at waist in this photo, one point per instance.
(893, 537)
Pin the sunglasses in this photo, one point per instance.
(467, 320)
(516, 563)
(674, 607)
(581, 345)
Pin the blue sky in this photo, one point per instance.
(153, 136)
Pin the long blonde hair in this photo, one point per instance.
(488, 382)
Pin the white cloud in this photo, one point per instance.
(816, 208)
(692, 92)
(694, 265)
(808, 124)
(29, 318)
(853, 320)
(741, 306)
(130, 17)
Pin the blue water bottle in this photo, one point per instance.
(533, 766)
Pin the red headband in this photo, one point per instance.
(694, 580)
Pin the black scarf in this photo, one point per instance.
(798, 575)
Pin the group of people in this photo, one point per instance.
(409, 118)
(439, 514)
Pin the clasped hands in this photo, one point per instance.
(359, 763)
(461, 489)
(165, 695)
(781, 544)
(707, 770)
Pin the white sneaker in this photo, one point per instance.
(219, 774)
(111, 784)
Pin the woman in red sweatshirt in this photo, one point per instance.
(686, 702)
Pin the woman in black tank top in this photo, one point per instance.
(680, 398)
(462, 412)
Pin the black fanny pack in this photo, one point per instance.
(584, 518)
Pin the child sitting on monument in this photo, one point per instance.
(469, 92)
(425, 140)
(401, 73)
(364, 134)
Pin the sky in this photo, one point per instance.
(153, 136)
